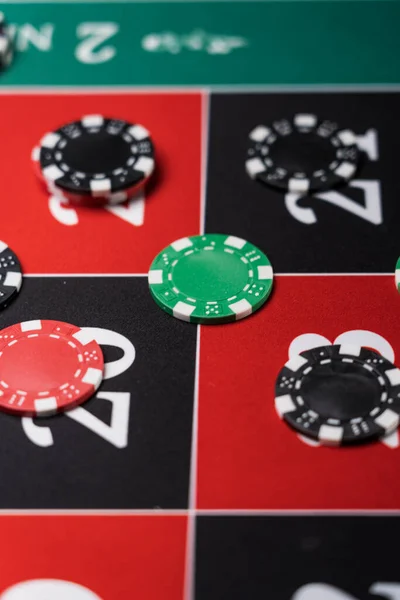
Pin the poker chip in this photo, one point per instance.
(397, 275)
(303, 154)
(210, 278)
(339, 394)
(96, 156)
(47, 367)
(86, 200)
(10, 275)
(6, 45)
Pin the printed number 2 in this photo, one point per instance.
(117, 432)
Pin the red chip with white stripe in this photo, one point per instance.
(47, 367)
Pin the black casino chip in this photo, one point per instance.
(303, 154)
(339, 394)
(96, 156)
(6, 43)
(10, 275)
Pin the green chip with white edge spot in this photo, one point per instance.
(397, 275)
(210, 278)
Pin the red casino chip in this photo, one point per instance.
(47, 367)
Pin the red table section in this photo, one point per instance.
(124, 239)
(247, 457)
(112, 557)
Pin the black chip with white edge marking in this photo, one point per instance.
(10, 275)
(96, 156)
(339, 394)
(303, 154)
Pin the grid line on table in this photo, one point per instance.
(199, 512)
(192, 499)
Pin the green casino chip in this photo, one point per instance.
(211, 278)
(397, 275)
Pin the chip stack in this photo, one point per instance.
(95, 161)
